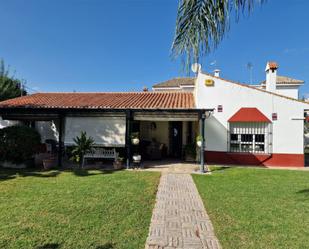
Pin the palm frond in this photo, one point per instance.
(202, 24)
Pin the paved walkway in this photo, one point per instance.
(179, 219)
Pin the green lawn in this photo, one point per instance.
(257, 208)
(82, 209)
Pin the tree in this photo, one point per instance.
(202, 24)
(10, 87)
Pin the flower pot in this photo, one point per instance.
(199, 143)
(137, 158)
(117, 165)
(48, 163)
(135, 141)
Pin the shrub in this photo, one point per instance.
(83, 145)
(18, 143)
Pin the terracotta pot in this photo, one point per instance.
(48, 163)
(117, 165)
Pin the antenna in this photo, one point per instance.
(22, 87)
(196, 68)
(250, 67)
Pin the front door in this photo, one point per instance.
(175, 137)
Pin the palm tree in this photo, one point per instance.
(201, 25)
(83, 145)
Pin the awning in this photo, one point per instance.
(249, 114)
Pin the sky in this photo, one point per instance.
(124, 45)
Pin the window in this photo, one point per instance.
(250, 137)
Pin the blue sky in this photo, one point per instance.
(98, 45)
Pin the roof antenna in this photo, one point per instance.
(196, 68)
(250, 67)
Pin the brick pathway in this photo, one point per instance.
(179, 219)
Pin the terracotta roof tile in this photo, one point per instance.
(284, 80)
(133, 100)
(176, 82)
(249, 114)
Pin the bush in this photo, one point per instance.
(83, 145)
(18, 143)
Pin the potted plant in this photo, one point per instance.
(190, 152)
(118, 163)
(49, 163)
(135, 138)
(199, 140)
(83, 145)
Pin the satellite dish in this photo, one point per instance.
(196, 67)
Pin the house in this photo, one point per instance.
(241, 124)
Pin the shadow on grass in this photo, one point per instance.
(9, 174)
(49, 246)
(39, 174)
(303, 191)
(106, 246)
(220, 168)
(85, 172)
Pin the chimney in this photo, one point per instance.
(271, 76)
(217, 72)
(145, 89)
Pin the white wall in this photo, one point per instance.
(6, 123)
(288, 134)
(290, 91)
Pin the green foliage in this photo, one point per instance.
(83, 145)
(199, 138)
(202, 24)
(9, 86)
(134, 135)
(18, 143)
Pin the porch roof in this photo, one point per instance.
(103, 100)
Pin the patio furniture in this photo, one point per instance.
(155, 150)
(137, 160)
(101, 153)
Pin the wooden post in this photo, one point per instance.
(128, 139)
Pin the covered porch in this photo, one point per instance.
(163, 134)
(165, 123)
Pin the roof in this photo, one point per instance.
(176, 82)
(249, 114)
(284, 80)
(104, 100)
(257, 88)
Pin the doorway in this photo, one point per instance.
(175, 139)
